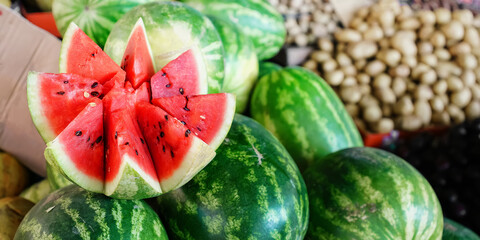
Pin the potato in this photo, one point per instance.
(440, 87)
(468, 77)
(386, 95)
(349, 81)
(321, 56)
(425, 47)
(456, 114)
(386, 18)
(334, 78)
(464, 16)
(374, 33)
(348, 35)
(475, 89)
(410, 61)
(360, 64)
(429, 77)
(363, 78)
(442, 15)
(372, 113)
(350, 94)
(419, 69)
(343, 59)
(460, 48)
(437, 104)
(423, 111)
(382, 81)
(427, 17)
(423, 92)
(401, 70)
(409, 123)
(441, 118)
(472, 111)
(410, 24)
(362, 49)
(391, 57)
(438, 40)
(426, 32)
(461, 98)
(442, 54)
(454, 84)
(404, 106)
(384, 125)
(349, 71)
(311, 65)
(352, 110)
(329, 65)
(375, 67)
(325, 45)
(467, 61)
(399, 86)
(429, 59)
(453, 30)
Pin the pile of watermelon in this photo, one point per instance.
(153, 116)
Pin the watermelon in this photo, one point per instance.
(173, 28)
(266, 68)
(304, 113)
(75, 213)
(455, 231)
(94, 17)
(102, 142)
(56, 179)
(37, 191)
(241, 63)
(257, 19)
(251, 190)
(367, 193)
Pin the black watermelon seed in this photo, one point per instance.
(158, 139)
(99, 139)
(163, 148)
(159, 125)
(93, 54)
(78, 133)
(66, 82)
(136, 152)
(61, 93)
(91, 145)
(171, 153)
(187, 132)
(101, 96)
(164, 74)
(116, 134)
(183, 122)
(127, 143)
(199, 129)
(142, 141)
(166, 117)
(186, 109)
(95, 84)
(88, 140)
(168, 85)
(162, 134)
(181, 90)
(95, 94)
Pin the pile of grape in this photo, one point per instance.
(451, 163)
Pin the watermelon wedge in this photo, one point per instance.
(104, 134)
(83, 163)
(138, 59)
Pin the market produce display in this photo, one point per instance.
(367, 193)
(13, 176)
(251, 190)
(304, 113)
(12, 212)
(76, 213)
(399, 69)
(37, 191)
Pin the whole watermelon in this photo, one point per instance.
(455, 231)
(96, 18)
(172, 28)
(304, 113)
(367, 193)
(265, 68)
(259, 20)
(241, 63)
(252, 189)
(74, 213)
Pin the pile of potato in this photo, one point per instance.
(395, 68)
(306, 20)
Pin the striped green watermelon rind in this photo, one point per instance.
(265, 68)
(37, 191)
(259, 20)
(367, 193)
(241, 62)
(455, 231)
(55, 177)
(252, 189)
(95, 17)
(304, 113)
(78, 214)
(173, 28)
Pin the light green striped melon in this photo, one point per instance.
(95, 17)
(55, 178)
(455, 231)
(74, 213)
(259, 20)
(304, 113)
(172, 28)
(241, 63)
(367, 193)
(37, 191)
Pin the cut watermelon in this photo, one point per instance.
(174, 149)
(82, 56)
(208, 116)
(122, 145)
(179, 77)
(55, 100)
(138, 59)
(83, 164)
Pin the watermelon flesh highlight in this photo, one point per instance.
(175, 150)
(79, 148)
(81, 55)
(177, 78)
(138, 60)
(208, 116)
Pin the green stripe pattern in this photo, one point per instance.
(256, 18)
(367, 193)
(74, 213)
(252, 189)
(266, 68)
(241, 63)
(172, 28)
(37, 191)
(95, 17)
(56, 179)
(455, 231)
(304, 113)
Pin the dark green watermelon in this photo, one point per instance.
(455, 231)
(252, 189)
(265, 68)
(74, 213)
(367, 193)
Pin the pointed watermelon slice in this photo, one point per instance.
(208, 116)
(54, 100)
(83, 164)
(82, 56)
(181, 76)
(138, 60)
(176, 152)
(129, 167)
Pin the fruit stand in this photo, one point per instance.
(240, 119)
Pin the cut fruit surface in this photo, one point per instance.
(54, 100)
(138, 59)
(177, 153)
(207, 116)
(179, 77)
(82, 56)
(79, 151)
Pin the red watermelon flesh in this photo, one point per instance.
(82, 56)
(118, 81)
(137, 60)
(85, 160)
(178, 77)
(208, 116)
